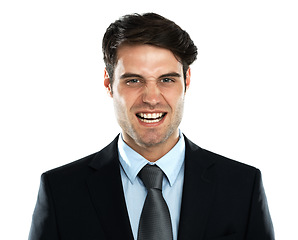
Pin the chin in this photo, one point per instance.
(151, 140)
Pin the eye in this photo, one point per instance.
(167, 80)
(132, 81)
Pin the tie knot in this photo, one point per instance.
(151, 176)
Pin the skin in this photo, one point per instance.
(148, 79)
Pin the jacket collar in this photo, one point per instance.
(198, 192)
(107, 195)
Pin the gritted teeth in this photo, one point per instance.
(152, 116)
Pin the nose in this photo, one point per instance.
(152, 94)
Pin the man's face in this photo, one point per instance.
(148, 94)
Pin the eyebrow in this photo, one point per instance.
(133, 75)
(130, 75)
(171, 74)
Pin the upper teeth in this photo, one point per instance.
(150, 115)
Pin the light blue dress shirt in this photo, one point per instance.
(172, 164)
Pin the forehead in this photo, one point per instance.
(146, 59)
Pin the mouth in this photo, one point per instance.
(151, 117)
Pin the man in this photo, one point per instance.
(151, 182)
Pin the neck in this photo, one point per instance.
(153, 152)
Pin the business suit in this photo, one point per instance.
(222, 200)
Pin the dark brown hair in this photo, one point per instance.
(148, 28)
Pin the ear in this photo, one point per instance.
(107, 83)
(187, 80)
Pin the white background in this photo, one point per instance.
(54, 109)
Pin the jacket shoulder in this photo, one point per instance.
(227, 162)
(85, 164)
(222, 163)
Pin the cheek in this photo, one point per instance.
(174, 98)
(123, 103)
(130, 96)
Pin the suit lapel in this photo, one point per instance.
(198, 191)
(107, 195)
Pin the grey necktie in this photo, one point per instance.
(155, 221)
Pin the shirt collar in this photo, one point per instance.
(171, 163)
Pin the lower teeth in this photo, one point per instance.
(150, 121)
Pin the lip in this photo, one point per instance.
(155, 111)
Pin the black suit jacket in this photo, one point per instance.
(84, 200)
